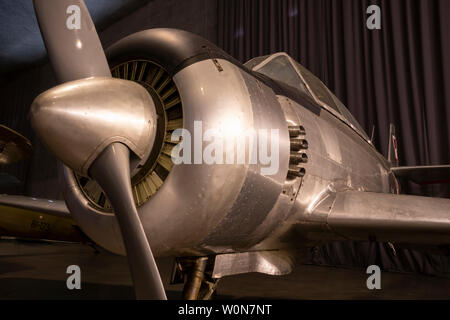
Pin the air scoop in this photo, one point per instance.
(79, 119)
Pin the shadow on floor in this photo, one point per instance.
(37, 289)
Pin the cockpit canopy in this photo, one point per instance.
(281, 67)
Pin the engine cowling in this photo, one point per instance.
(192, 208)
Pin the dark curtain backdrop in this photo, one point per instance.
(399, 74)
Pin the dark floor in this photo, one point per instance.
(37, 270)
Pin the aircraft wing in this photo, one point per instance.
(37, 219)
(13, 146)
(358, 215)
(424, 174)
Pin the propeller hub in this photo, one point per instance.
(79, 119)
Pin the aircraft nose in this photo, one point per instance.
(79, 119)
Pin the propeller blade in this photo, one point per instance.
(75, 53)
(112, 171)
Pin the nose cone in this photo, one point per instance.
(78, 120)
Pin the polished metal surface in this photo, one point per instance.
(195, 278)
(99, 226)
(204, 193)
(268, 262)
(286, 199)
(55, 207)
(244, 226)
(33, 218)
(13, 146)
(93, 123)
(330, 183)
(229, 207)
(78, 119)
(390, 217)
(210, 202)
(332, 164)
(74, 53)
(150, 174)
(112, 171)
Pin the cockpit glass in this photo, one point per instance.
(326, 96)
(255, 61)
(347, 115)
(319, 90)
(282, 68)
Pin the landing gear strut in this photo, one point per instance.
(195, 273)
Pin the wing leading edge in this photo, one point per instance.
(37, 219)
(424, 174)
(363, 216)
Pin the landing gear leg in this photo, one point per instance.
(208, 289)
(195, 273)
(195, 278)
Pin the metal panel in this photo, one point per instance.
(247, 223)
(388, 217)
(268, 262)
(74, 53)
(78, 119)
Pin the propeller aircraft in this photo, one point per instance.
(112, 120)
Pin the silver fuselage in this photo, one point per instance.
(220, 208)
